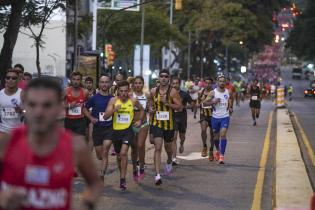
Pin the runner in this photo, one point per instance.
(255, 100)
(102, 129)
(37, 160)
(140, 133)
(121, 108)
(290, 92)
(165, 99)
(74, 100)
(113, 90)
(238, 90)
(88, 83)
(193, 91)
(27, 77)
(222, 102)
(180, 119)
(20, 69)
(205, 119)
(10, 103)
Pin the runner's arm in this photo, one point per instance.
(231, 101)
(208, 101)
(86, 167)
(150, 100)
(86, 111)
(177, 103)
(110, 108)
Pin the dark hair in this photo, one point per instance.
(122, 83)
(255, 80)
(138, 77)
(10, 70)
(27, 74)
(18, 65)
(88, 79)
(45, 83)
(76, 73)
(164, 71)
(176, 78)
(208, 78)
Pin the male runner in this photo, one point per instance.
(238, 90)
(165, 100)
(74, 101)
(27, 77)
(222, 102)
(205, 119)
(20, 69)
(180, 119)
(255, 100)
(121, 108)
(88, 83)
(102, 129)
(38, 160)
(10, 103)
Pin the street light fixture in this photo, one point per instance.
(241, 42)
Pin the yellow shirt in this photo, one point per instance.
(124, 116)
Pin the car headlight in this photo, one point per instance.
(305, 91)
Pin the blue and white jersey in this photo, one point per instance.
(220, 110)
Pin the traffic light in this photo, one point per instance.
(178, 4)
(111, 58)
(109, 54)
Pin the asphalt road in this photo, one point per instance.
(200, 184)
(304, 110)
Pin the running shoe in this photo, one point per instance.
(102, 175)
(136, 175)
(158, 180)
(254, 124)
(113, 153)
(123, 184)
(217, 156)
(211, 157)
(204, 152)
(221, 160)
(175, 162)
(141, 174)
(168, 169)
(181, 148)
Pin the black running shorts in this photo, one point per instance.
(100, 134)
(167, 135)
(77, 126)
(121, 137)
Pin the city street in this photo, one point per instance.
(198, 183)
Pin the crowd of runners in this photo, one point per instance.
(39, 158)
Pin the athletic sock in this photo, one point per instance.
(217, 144)
(223, 146)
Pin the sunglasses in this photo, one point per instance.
(164, 76)
(12, 78)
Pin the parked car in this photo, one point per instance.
(297, 73)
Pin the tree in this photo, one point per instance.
(38, 14)
(11, 21)
(301, 40)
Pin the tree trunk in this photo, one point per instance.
(10, 37)
(39, 72)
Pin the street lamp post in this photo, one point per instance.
(142, 36)
(170, 42)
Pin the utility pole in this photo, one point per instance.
(189, 52)
(227, 59)
(75, 41)
(170, 42)
(142, 36)
(94, 33)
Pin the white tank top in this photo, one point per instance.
(10, 119)
(220, 110)
(142, 100)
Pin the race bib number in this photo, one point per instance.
(9, 113)
(162, 115)
(101, 117)
(37, 175)
(123, 118)
(75, 111)
(254, 98)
